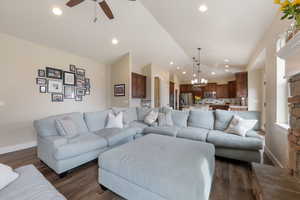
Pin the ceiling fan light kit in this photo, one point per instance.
(102, 4)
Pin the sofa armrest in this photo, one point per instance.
(53, 141)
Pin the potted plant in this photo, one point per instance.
(290, 10)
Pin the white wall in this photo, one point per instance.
(164, 76)
(255, 89)
(276, 137)
(121, 74)
(21, 102)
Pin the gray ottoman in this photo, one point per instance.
(158, 167)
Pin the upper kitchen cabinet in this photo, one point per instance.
(222, 91)
(241, 84)
(232, 89)
(138, 86)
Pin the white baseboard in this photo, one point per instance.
(273, 157)
(17, 147)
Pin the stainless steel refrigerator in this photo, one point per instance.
(186, 99)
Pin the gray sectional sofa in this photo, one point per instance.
(62, 154)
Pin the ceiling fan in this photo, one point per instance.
(102, 3)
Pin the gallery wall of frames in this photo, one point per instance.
(72, 84)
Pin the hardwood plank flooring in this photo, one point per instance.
(232, 179)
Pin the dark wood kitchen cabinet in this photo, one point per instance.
(232, 89)
(241, 84)
(222, 91)
(138, 83)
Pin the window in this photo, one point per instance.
(282, 89)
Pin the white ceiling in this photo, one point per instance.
(74, 31)
(153, 31)
(229, 29)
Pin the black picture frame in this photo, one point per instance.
(80, 83)
(56, 97)
(54, 73)
(55, 86)
(87, 83)
(78, 98)
(43, 89)
(66, 78)
(87, 91)
(80, 77)
(80, 91)
(41, 73)
(72, 68)
(119, 90)
(80, 71)
(69, 92)
(41, 81)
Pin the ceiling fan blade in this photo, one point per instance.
(106, 9)
(73, 3)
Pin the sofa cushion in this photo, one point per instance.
(240, 126)
(80, 145)
(201, 119)
(142, 112)
(66, 127)
(223, 118)
(169, 131)
(115, 135)
(225, 140)
(165, 119)
(192, 133)
(32, 185)
(180, 118)
(47, 126)
(96, 120)
(139, 126)
(114, 121)
(151, 117)
(129, 114)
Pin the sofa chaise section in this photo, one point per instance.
(30, 184)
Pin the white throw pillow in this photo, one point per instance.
(66, 127)
(115, 121)
(165, 119)
(151, 117)
(7, 175)
(240, 126)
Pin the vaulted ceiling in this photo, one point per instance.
(153, 31)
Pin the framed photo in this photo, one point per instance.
(55, 86)
(80, 77)
(72, 68)
(119, 90)
(53, 73)
(41, 73)
(69, 92)
(43, 89)
(80, 83)
(87, 83)
(41, 81)
(80, 92)
(87, 91)
(57, 97)
(78, 98)
(80, 71)
(69, 78)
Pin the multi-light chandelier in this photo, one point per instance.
(196, 79)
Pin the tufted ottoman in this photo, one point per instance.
(158, 167)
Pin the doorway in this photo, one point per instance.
(172, 95)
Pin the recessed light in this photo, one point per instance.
(194, 75)
(171, 63)
(213, 73)
(226, 60)
(57, 11)
(178, 68)
(203, 8)
(183, 72)
(226, 70)
(227, 66)
(114, 41)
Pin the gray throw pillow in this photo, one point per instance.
(66, 127)
(180, 118)
(165, 119)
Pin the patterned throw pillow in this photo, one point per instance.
(165, 119)
(115, 121)
(66, 127)
(240, 126)
(151, 117)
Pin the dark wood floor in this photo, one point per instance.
(231, 182)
